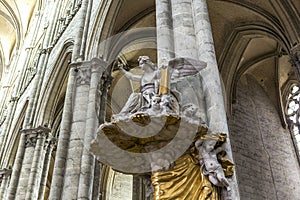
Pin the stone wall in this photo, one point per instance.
(266, 163)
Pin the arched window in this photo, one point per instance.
(293, 115)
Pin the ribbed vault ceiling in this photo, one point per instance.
(255, 37)
(14, 20)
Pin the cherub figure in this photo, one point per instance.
(168, 104)
(155, 105)
(209, 163)
(191, 111)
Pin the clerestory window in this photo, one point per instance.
(293, 116)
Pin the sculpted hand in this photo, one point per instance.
(222, 179)
(120, 65)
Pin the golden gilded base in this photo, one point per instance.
(184, 182)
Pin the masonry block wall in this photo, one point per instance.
(267, 167)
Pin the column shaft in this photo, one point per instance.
(164, 29)
(5, 175)
(48, 153)
(3, 186)
(76, 55)
(216, 114)
(184, 33)
(36, 168)
(78, 124)
(87, 163)
(63, 141)
(6, 127)
(16, 169)
(41, 69)
(96, 181)
(25, 171)
(211, 79)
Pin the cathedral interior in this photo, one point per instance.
(60, 79)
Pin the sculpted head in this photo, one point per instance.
(190, 110)
(155, 102)
(209, 144)
(145, 62)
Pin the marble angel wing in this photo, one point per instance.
(182, 67)
(186, 86)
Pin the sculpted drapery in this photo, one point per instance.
(189, 178)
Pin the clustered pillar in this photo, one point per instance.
(4, 180)
(192, 38)
(165, 43)
(49, 146)
(73, 173)
(30, 165)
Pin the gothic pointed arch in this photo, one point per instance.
(12, 140)
(116, 11)
(55, 84)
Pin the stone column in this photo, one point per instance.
(48, 148)
(7, 123)
(164, 29)
(101, 96)
(14, 100)
(41, 134)
(216, 114)
(295, 60)
(30, 171)
(212, 84)
(88, 160)
(184, 33)
(77, 55)
(4, 179)
(11, 194)
(96, 183)
(63, 141)
(77, 131)
(30, 142)
(137, 189)
(185, 46)
(65, 135)
(74, 165)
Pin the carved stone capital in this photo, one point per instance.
(49, 49)
(295, 55)
(50, 143)
(13, 99)
(106, 80)
(86, 69)
(46, 50)
(295, 59)
(83, 76)
(43, 51)
(102, 88)
(32, 135)
(4, 173)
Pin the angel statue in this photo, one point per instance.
(159, 91)
(162, 130)
(149, 81)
